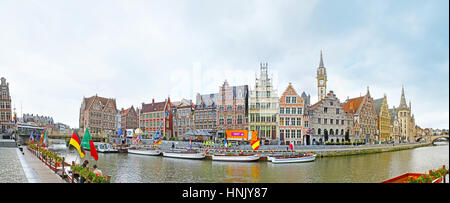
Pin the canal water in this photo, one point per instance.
(131, 168)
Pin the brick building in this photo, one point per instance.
(154, 115)
(5, 107)
(98, 114)
(129, 118)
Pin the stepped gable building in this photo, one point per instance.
(154, 116)
(183, 119)
(98, 114)
(292, 108)
(404, 121)
(364, 117)
(232, 108)
(264, 108)
(329, 121)
(129, 118)
(205, 114)
(383, 119)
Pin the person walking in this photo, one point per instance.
(173, 146)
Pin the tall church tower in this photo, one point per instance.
(321, 79)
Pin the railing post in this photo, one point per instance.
(72, 171)
(62, 164)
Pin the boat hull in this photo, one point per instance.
(145, 152)
(235, 158)
(292, 160)
(181, 155)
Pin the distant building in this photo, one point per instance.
(384, 119)
(329, 121)
(404, 122)
(292, 108)
(157, 115)
(41, 121)
(364, 117)
(232, 108)
(264, 107)
(98, 114)
(129, 118)
(6, 116)
(205, 113)
(183, 119)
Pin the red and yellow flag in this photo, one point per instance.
(255, 144)
(75, 141)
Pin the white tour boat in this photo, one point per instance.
(242, 158)
(148, 152)
(104, 148)
(185, 155)
(292, 159)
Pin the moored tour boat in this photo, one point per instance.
(292, 158)
(148, 152)
(185, 155)
(104, 148)
(239, 158)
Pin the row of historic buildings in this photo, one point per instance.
(290, 118)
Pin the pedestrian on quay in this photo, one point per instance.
(97, 171)
(173, 146)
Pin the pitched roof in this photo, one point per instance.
(152, 107)
(377, 104)
(103, 101)
(352, 105)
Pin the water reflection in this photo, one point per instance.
(361, 168)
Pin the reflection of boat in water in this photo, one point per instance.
(104, 147)
(292, 158)
(185, 155)
(238, 158)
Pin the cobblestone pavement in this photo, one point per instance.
(11, 170)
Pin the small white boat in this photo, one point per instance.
(292, 159)
(242, 158)
(144, 152)
(104, 148)
(185, 155)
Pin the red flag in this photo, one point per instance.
(291, 146)
(93, 150)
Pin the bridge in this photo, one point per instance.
(433, 138)
(438, 137)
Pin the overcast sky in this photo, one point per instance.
(54, 53)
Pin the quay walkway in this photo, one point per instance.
(18, 167)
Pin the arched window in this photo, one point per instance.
(319, 131)
(331, 132)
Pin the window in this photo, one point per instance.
(288, 110)
(294, 100)
(294, 111)
(281, 110)
(299, 133)
(229, 108)
(288, 100)
(325, 121)
(252, 117)
(229, 119)
(221, 108)
(319, 121)
(239, 119)
(282, 121)
(288, 132)
(331, 103)
(319, 131)
(281, 133)
(239, 107)
(337, 111)
(292, 121)
(221, 119)
(287, 121)
(325, 109)
(299, 111)
(306, 124)
(331, 121)
(299, 121)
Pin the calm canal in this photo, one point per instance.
(131, 168)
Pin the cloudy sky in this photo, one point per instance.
(54, 53)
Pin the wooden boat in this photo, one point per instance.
(238, 158)
(185, 155)
(145, 152)
(292, 159)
